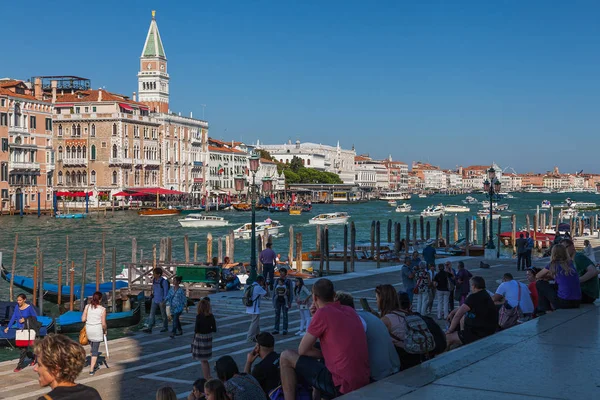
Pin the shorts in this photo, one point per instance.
(316, 374)
(467, 336)
(95, 348)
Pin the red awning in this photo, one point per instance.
(72, 194)
(125, 106)
(124, 194)
(159, 191)
(144, 107)
(64, 105)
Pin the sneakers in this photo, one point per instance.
(17, 369)
(275, 333)
(164, 330)
(33, 362)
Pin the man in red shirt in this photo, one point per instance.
(343, 349)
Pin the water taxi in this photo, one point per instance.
(470, 200)
(546, 204)
(403, 208)
(456, 208)
(330, 218)
(392, 203)
(394, 196)
(200, 221)
(486, 214)
(433, 211)
(245, 231)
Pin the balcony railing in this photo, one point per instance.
(18, 130)
(75, 161)
(23, 166)
(152, 162)
(119, 161)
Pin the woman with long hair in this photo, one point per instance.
(94, 316)
(21, 312)
(303, 297)
(215, 390)
(166, 393)
(202, 343)
(558, 283)
(177, 301)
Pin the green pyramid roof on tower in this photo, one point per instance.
(153, 46)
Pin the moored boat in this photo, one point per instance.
(295, 210)
(329, 218)
(242, 207)
(200, 220)
(158, 212)
(245, 231)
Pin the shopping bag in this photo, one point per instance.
(24, 337)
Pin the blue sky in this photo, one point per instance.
(448, 82)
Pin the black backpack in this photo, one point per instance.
(168, 283)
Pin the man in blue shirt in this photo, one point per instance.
(160, 289)
(408, 277)
(429, 255)
(529, 248)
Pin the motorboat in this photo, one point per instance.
(392, 203)
(569, 213)
(546, 204)
(433, 211)
(70, 216)
(486, 214)
(500, 207)
(422, 196)
(470, 200)
(201, 220)
(329, 219)
(456, 208)
(486, 204)
(245, 231)
(295, 210)
(404, 207)
(580, 205)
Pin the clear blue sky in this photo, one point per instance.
(449, 82)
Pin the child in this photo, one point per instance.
(280, 300)
(303, 298)
(197, 392)
(202, 344)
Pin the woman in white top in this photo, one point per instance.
(94, 316)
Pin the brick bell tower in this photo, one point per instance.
(153, 79)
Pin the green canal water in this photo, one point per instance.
(120, 228)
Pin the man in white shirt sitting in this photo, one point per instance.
(509, 292)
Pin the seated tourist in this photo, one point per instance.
(531, 273)
(476, 318)
(392, 315)
(343, 349)
(558, 283)
(266, 371)
(197, 392)
(508, 292)
(586, 269)
(239, 386)
(215, 390)
(383, 358)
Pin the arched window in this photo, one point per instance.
(114, 178)
(93, 133)
(73, 130)
(78, 152)
(68, 152)
(60, 130)
(78, 178)
(60, 153)
(114, 151)
(68, 178)
(308, 162)
(93, 155)
(114, 130)
(125, 152)
(60, 177)
(84, 152)
(78, 130)
(93, 178)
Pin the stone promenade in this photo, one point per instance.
(141, 363)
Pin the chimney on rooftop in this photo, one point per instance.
(134, 97)
(99, 94)
(191, 114)
(53, 85)
(37, 88)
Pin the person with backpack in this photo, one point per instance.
(438, 334)
(160, 290)
(282, 300)
(409, 332)
(251, 299)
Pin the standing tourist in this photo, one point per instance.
(343, 349)
(160, 289)
(94, 316)
(521, 244)
(429, 254)
(422, 288)
(408, 277)
(415, 260)
(432, 289)
(586, 269)
(202, 344)
(529, 249)
(588, 251)
(267, 258)
(462, 283)
(238, 386)
(282, 300)
(59, 362)
(303, 298)
(177, 301)
(440, 281)
(254, 293)
(566, 292)
(21, 312)
(451, 284)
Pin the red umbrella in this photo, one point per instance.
(159, 190)
(125, 194)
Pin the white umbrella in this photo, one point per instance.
(106, 347)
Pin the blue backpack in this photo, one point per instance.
(302, 393)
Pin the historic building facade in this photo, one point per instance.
(26, 157)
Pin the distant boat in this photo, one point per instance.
(245, 231)
(470, 200)
(295, 210)
(456, 208)
(546, 204)
(486, 214)
(433, 211)
(201, 220)
(392, 203)
(158, 212)
(51, 290)
(404, 207)
(394, 196)
(329, 219)
(422, 196)
(70, 216)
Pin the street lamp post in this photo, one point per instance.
(492, 187)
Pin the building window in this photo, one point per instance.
(87, 109)
(308, 162)
(114, 177)
(93, 132)
(60, 177)
(60, 130)
(3, 102)
(78, 130)
(77, 110)
(4, 144)
(48, 124)
(4, 172)
(60, 153)
(114, 131)
(3, 119)
(93, 155)
(32, 122)
(68, 178)
(114, 151)
(84, 152)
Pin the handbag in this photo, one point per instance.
(509, 316)
(83, 339)
(24, 337)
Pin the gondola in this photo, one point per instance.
(51, 290)
(8, 338)
(70, 322)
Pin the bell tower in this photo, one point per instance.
(153, 79)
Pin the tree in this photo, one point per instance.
(265, 154)
(296, 164)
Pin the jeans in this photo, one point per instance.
(269, 274)
(451, 301)
(163, 313)
(254, 328)
(422, 300)
(279, 307)
(442, 303)
(25, 354)
(409, 292)
(521, 261)
(528, 258)
(304, 319)
(176, 323)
